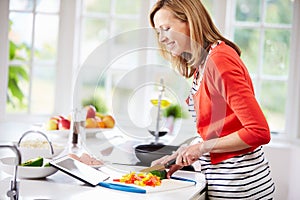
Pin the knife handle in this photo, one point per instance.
(169, 163)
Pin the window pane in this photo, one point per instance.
(248, 41)
(273, 100)
(247, 10)
(21, 5)
(20, 35)
(95, 31)
(48, 6)
(279, 11)
(18, 89)
(127, 6)
(46, 32)
(124, 25)
(42, 95)
(102, 6)
(126, 39)
(276, 52)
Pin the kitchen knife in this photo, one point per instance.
(159, 167)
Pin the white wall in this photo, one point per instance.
(285, 165)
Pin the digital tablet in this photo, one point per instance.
(79, 170)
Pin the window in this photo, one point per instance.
(262, 29)
(33, 37)
(107, 24)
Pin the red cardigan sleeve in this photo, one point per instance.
(230, 79)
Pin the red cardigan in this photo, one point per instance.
(225, 103)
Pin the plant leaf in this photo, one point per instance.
(15, 89)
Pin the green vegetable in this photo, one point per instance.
(47, 164)
(161, 174)
(35, 162)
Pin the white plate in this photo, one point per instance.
(90, 132)
(7, 165)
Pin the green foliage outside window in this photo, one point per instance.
(17, 74)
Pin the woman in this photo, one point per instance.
(227, 115)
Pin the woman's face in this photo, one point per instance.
(172, 32)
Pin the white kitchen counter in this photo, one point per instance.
(62, 186)
(55, 187)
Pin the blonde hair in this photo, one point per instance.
(203, 33)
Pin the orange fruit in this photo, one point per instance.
(109, 121)
(101, 124)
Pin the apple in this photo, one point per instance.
(90, 111)
(109, 121)
(51, 124)
(56, 118)
(64, 124)
(91, 123)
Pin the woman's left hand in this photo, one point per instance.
(189, 155)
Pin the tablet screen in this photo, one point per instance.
(79, 170)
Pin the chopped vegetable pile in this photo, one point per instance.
(141, 179)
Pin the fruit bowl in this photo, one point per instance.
(8, 164)
(90, 132)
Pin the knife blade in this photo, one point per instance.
(159, 167)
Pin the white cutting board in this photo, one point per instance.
(166, 185)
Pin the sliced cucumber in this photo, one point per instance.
(35, 162)
(161, 174)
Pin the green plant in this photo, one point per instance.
(16, 74)
(175, 111)
(98, 102)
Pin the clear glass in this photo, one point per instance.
(46, 36)
(248, 11)
(49, 6)
(273, 100)
(102, 6)
(25, 5)
(279, 11)
(42, 89)
(77, 136)
(127, 6)
(248, 41)
(277, 52)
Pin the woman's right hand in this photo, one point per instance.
(163, 160)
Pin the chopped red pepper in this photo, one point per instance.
(141, 179)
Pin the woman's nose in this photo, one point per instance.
(162, 37)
